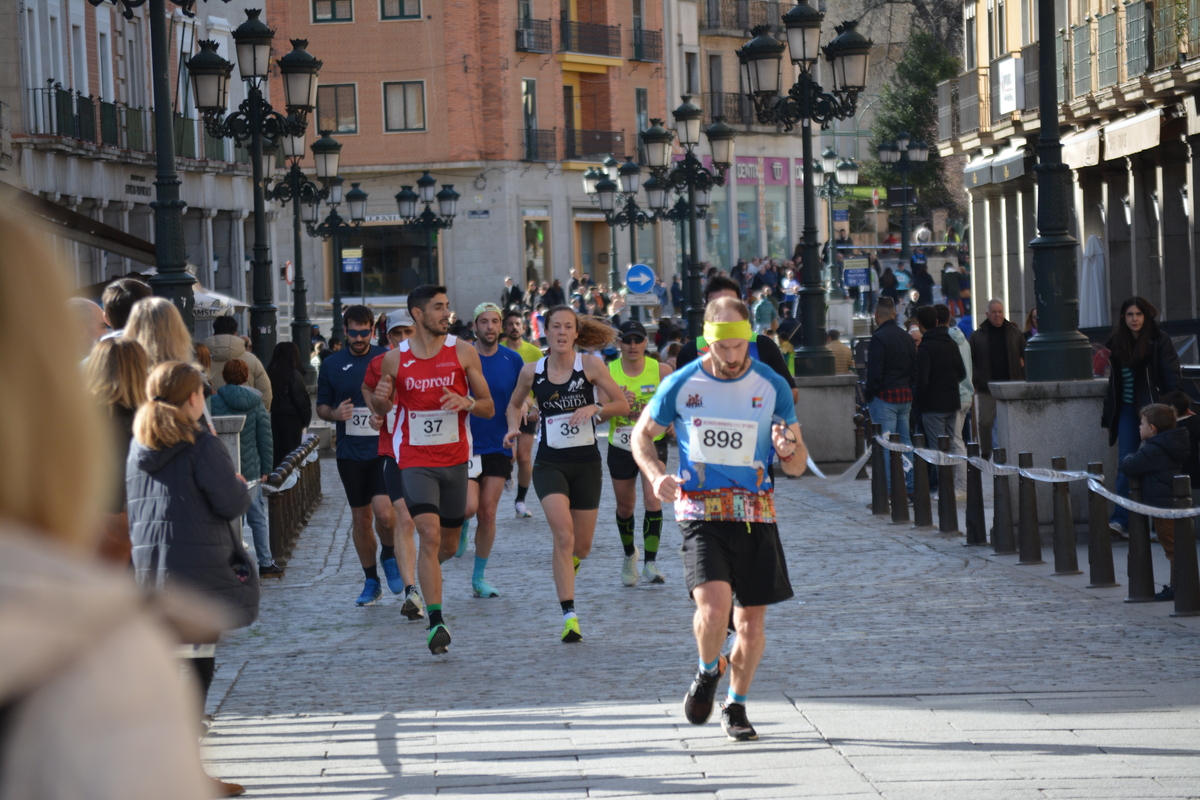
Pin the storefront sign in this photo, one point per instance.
(1012, 85)
(746, 170)
(383, 218)
(776, 171)
(1132, 135)
(138, 186)
(1081, 149)
(535, 212)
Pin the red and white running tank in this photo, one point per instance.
(427, 436)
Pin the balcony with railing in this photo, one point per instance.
(1167, 45)
(582, 143)
(590, 39)
(1081, 59)
(55, 111)
(1029, 58)
(538, 145)
(215, 147)
(1060, 72)
(947, 110)
(647, 45)
(1106, 51)
(534, 36)
(1193, 28)
(739, 16)
(1137, 39)
(737, 109)
(974, 101)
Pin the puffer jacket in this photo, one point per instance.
(226, 347)
(1152, 378)
(1157, 462)
(257, 443)
(183, 501)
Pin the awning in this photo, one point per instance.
(1132, 135)
(1009, 164)
(978, 172)
(62, 221)
(1082, 148)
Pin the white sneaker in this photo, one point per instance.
(414, 606)
(629, 574)
(651, 573)
(522, 512)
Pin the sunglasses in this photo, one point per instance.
(363, 334)
(633, 339)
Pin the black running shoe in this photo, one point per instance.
(737, 727)
(272, 570)
(1167, 593)
(698, 702)
(438, 639)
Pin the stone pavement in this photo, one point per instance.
(906, 666)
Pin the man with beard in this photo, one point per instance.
(733, 416)
(437, 381)
(514, 331)
(340, 400)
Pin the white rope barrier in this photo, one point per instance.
(848, 475)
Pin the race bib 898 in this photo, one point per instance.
(729, 442)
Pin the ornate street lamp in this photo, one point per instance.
(907, 155)
(805, 103)
(334, 227)
(257, 125)
(838, 173)
(617, 194)
(427, 221)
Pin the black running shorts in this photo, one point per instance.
(623, 467)
(529, 427)
(494, 465)
(580, 481)
(362, 480)
(391, 479)
(750, 559)
(437, 490)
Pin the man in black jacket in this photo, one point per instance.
(997, 354)
(891, 373)
(512, 295)
(940, 368)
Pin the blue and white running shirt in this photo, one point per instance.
(724, 433)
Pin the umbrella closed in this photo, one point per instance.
(1093, 286)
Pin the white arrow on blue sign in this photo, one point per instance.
(639, 279)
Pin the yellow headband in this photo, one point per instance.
(716, 331)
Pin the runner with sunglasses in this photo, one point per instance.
(639, 378)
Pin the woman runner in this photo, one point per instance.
(567, 475)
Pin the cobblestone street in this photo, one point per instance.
(906, 666)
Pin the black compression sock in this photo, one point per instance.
(521, 492)
(625, 529)
(386, 553)
(371, 572)
(567, 605)
(651, 531)
(435, 617)
(408, 589)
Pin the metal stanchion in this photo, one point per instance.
(879, 466)
(1029, 537)
(899, 493)
(860, 444)
(976, 520)
(1066, 559)
(1139, 567)
(922, 508)
(1100, 557)
(1002, 521)
(1184, 575)
(947, 509)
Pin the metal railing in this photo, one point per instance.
(737, 109)
(534, 36)
(1029, 60)
(948, 109)
(1165, 36)
(1107, 53)
(214, 147)
(647, 45)
(1081, 60)
(293, 492)
(973, 111)
(139, 129)
(185, 136)
(582, 143)
(590, 38)
(742, 15)
(539, 145)
(1193, 28)
(1137, 39)
(1060, 71)
(56, 111)
(110, 124)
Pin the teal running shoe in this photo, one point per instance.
(481, 588)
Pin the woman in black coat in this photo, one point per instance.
(1145, 366)
(185, 497)
(292, 410)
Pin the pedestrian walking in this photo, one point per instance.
(891, 373)
(292, 411)
(1144, 367)
(940, 368)
(966, 392)
(733, 417)
(997, 355)
(676, 296)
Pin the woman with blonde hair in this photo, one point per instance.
(156, 324)
(116, 377)
(566, 473)
(71, 628)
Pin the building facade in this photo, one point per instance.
(1125, 81)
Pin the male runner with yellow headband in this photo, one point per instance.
(725, 407)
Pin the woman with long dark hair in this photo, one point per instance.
(292, 410)
(1145, 366)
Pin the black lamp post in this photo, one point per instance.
(298, 190)
(690, 175)
(334, 227)
(258, 125)
(805, 103)
(906, 156)
(1059, 352)
(621, 210)
(839, 173)
(427, 221)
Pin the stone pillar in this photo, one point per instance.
(993, 267)
(239, 265)
(1173, 225)
(1056, 418)
(826, 412)
(1145, 253)
(1118, 243)
(1027, 212)
(208, 272)
(1193, 215)
(978, 242)
(229, 431)
(123, 209)
(1014, 248)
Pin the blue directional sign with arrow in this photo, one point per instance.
(639, 279)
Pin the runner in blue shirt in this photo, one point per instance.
(491, 462)
(733, 416)
(340, 400)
